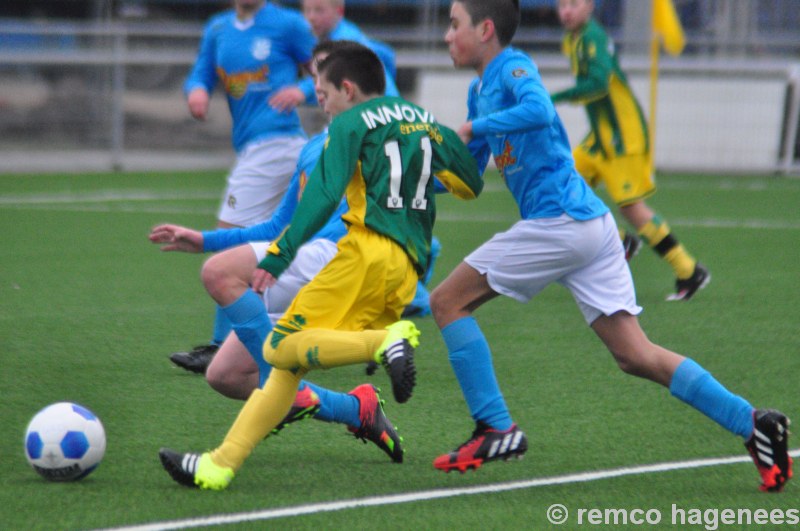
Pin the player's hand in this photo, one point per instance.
(198, 103)
(286, 99)
(262, 279)
(465, 132)
(177, 238)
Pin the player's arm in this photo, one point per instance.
(203, 77)
(290, 97)
(455, 168)
(203, 73)
(477, 146)
(301, 42)
(532, 110)
(595, 67)
(321, 197)
(177, 238)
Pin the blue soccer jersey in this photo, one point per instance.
(252, 60)
(217, 240)
(514, 120)
(347, 31)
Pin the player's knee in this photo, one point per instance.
(231, 384)
(217, 380)
(634, 363)
(214, 276)
(276, 353)
(437, 302)
(627, 365)
(443, 305)
(269, 351)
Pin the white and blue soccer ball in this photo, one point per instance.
(65, 442)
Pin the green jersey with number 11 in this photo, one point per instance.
(383, 155)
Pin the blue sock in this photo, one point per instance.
(251, 323)
(695, 386)
(421, 301)
(471, 360)
(436, 249)
(335, 406)
(222, 326)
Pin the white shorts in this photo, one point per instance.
(258, 180)
(310, 259)
(584, 256)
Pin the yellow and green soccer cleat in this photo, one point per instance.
(396, 354)
(195, 470)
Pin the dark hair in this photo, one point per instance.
(356, 63)
(329, 46)
(503, 13)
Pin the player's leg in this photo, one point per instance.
(452, 304)
(301, 341)
(256, 184)
(226, 276)
(765, 432)
(518, 263)
(690, 275)
(629, 182)
(233, 372)
(240, 207)
(311, 400)
(369, 279)
(454, 300)
(420, 305)
(605, 294)
(262, 411)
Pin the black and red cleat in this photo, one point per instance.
(486, 444)
(306, 404)
(769, 448)
(375, 426)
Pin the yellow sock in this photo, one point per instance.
(658, 236)
(681, 261)
(322, 348)
(261, 413)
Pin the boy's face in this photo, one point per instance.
(322, 15)
(333, 101)
(317, 59)
(573, 14)
(462, 37)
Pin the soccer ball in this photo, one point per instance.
(65, 442)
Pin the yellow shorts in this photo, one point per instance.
(627, 179)
(366, 285)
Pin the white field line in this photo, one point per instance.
(115, 201)
(105, 196)
(410, 497)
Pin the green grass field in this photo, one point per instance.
(90, 310)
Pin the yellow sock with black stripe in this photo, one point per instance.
(261, 413)
(658, 236)
(322, 348)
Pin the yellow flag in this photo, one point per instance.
(667, 25)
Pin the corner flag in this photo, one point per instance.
(667, 25)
